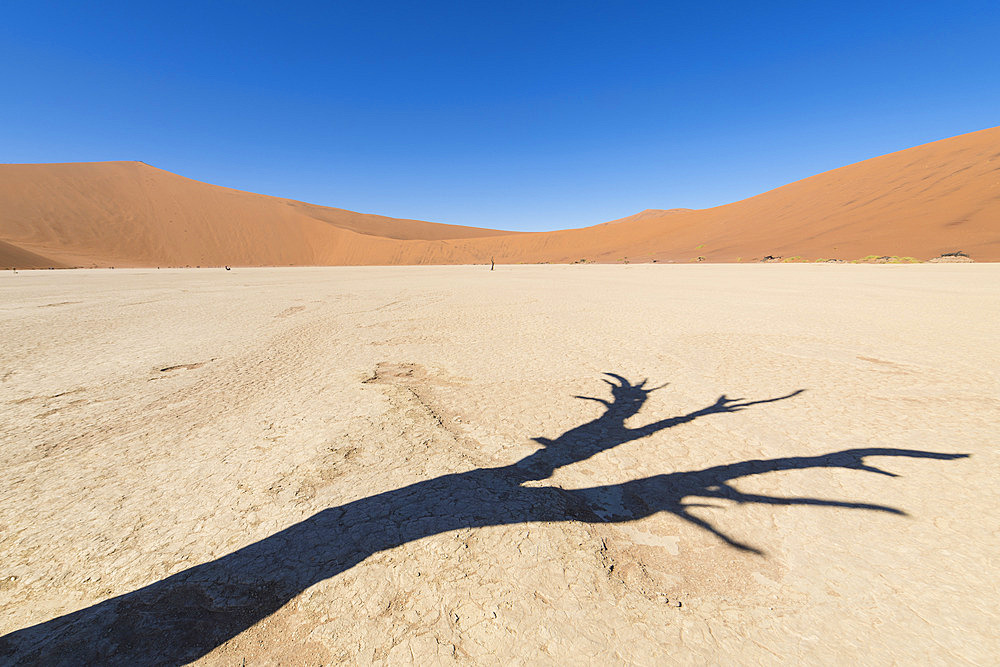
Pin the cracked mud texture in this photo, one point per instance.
(433, 464)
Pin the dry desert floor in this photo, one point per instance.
(639, 464)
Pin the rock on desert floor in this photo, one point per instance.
(539, 464)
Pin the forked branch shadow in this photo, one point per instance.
(184, 616)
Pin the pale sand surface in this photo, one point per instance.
(155, 423)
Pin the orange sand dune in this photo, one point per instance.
(12, 256)
(920, 202)
(131, 214)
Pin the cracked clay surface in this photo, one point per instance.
(539, 464)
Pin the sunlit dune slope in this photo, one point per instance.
(132, 214)
(920, 202)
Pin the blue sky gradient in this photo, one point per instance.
(512, 115)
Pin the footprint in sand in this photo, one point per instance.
(179, 367)
(288, 312)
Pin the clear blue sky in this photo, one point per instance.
(515, 115)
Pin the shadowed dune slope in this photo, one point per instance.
(12, 257)
(920, 202)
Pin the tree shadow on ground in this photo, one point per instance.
(184, 616)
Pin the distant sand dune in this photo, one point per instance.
(920, 202)
(13, 256)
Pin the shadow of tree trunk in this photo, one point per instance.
(184, 616)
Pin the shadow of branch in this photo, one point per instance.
(184, 616)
